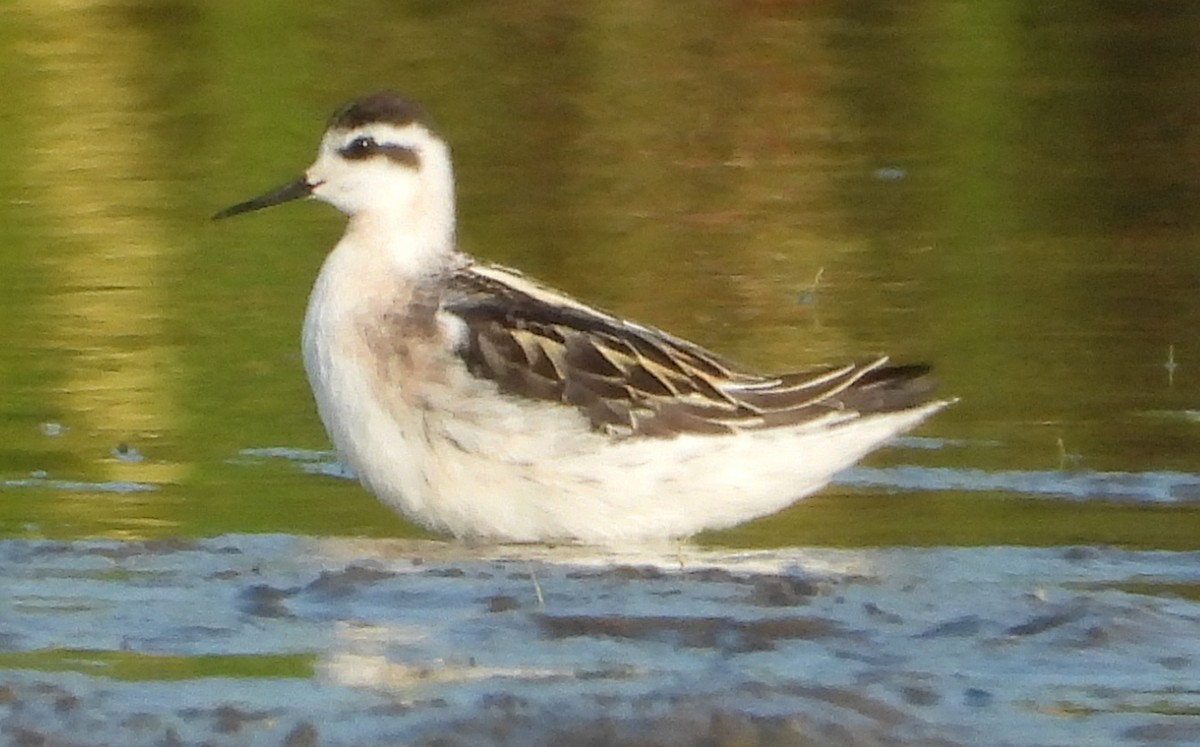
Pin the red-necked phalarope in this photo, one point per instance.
(478, 402)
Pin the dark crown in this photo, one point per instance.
(384, 106)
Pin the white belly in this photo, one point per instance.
(456, 456)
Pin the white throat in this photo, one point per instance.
(412, 243)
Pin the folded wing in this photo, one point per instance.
(630, 380)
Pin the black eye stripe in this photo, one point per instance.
(401, 155)
(364, 147)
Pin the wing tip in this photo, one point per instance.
(884, 388)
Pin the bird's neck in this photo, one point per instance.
(404, 248)
(416, 240)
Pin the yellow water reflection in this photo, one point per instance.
(89, 172)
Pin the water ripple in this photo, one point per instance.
(1147, 487)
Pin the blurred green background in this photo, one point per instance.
(1006, 190)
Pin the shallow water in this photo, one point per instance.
(273, 639)
(1006, 192)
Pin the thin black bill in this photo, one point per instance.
(286, 193)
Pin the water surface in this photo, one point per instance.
(1006, 191)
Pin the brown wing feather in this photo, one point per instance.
(636, 381)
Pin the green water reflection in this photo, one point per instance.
(138, 667)
(1007, 190)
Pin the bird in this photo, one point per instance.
(482, 404)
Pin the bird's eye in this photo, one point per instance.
(360, 147)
